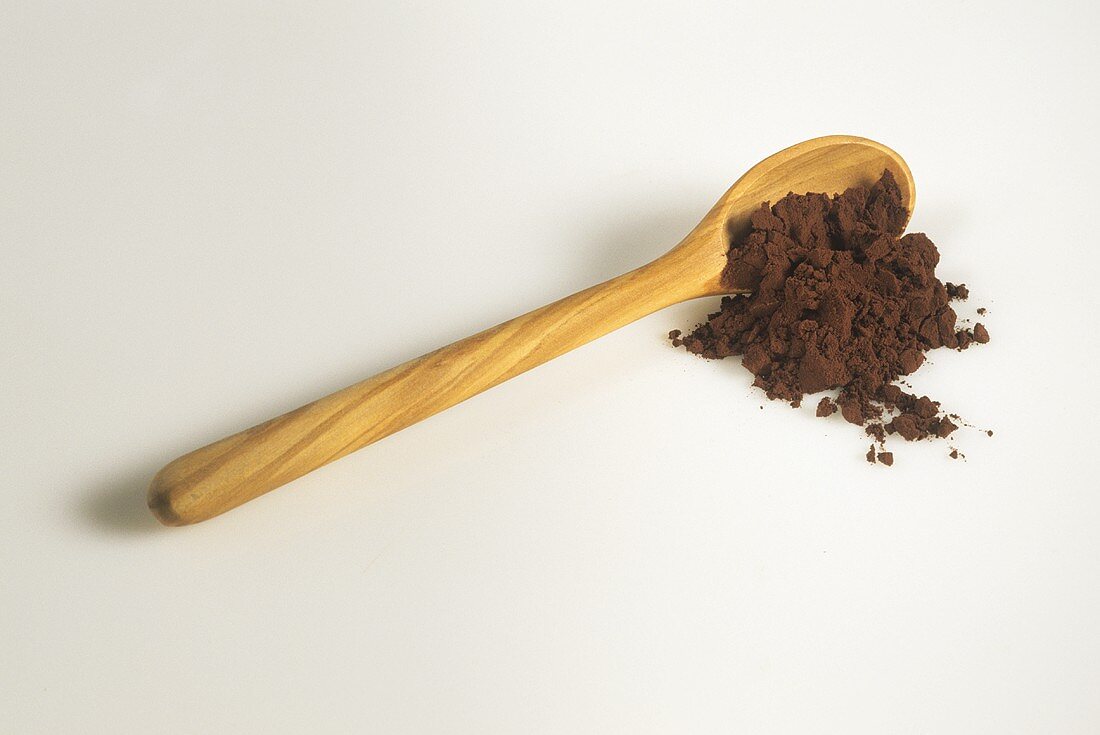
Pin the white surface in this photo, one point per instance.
(213, 212)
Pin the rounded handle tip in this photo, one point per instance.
(165, 501)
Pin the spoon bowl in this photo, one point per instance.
(827, 165)
(234, 470)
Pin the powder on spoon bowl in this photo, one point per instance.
(840, 300)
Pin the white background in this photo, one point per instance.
(211, 212)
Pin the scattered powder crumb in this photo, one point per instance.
(876, 431)
(959, 292)
(887, 458)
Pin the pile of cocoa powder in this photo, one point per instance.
(840, 300)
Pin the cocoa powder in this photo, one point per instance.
(840, 299)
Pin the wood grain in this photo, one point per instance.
(218, 477)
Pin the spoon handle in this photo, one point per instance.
(220, 476)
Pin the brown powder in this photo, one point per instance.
(959, 291)
(840, 300)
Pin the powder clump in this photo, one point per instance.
(840, 299)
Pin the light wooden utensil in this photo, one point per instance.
(211, 480)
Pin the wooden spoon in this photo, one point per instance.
(234, 470)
